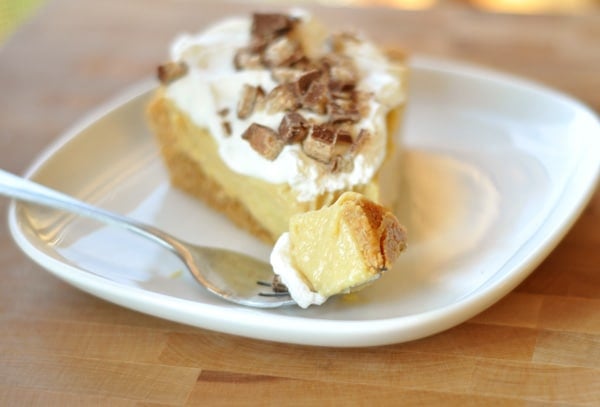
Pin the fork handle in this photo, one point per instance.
(25, 190)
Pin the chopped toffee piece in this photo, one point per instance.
(226, 128)
(307, 79)
(245, 58)
(343, 138)
(316, 97)
(282, 52)
(344, 111)
(171, 71)
(283, 98)
(319, 143)
(266, 26)
(293, 128)
(285, 74)
(342, 160)
(264, 140)
(248, 100)
(304, 64)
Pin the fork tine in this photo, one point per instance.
(276, 285)
(277, 291)
(275, 294)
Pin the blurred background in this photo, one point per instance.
(16, 12)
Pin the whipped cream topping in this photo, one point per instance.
(282, 265)
(213, 84)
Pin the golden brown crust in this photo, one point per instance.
(378, 232)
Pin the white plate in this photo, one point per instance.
(496, 171)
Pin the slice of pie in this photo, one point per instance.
(337, 249)
(269, 116)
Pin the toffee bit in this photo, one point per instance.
(257, 45)
(282, 52)
(171, 71)
(316, 97)
(343, 137)
(285, 74)
(264, 140)
(304, 64)
(270, 25)
(282, 98)
(319, 143)
(341, 71)
(343, 112)
(223, 112)
(226, 128)
(342, 159)
(246, 59)
(247, 101)
(293, 128)
(307, 79)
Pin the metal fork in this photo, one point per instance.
(233, 276)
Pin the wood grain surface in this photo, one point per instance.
(60, 346)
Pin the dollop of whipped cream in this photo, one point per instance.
(213, 84)
(281, 261)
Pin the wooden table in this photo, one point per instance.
(60, 346)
